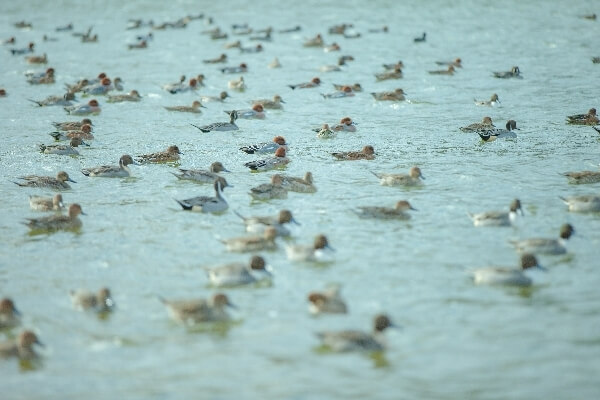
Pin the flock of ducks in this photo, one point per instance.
(265, 230)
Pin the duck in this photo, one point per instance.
(546, 246)
(133, 95)
(367, 153)
(9, 315)
(498, 218)
(253, 49)
(413, 178)
(320, 250)
(40, 203)
(72, 125)
(259, 224)
(491, 134)
(274, 104)
(221, 126)
(181, 88)
(256, 112)
(253, 243)
(396, 73)
(420, 39)
(300, 185)
(92, 107)
(345, 92)
(202, 176)
(279, 160)
(25, 50)
(485, 123)
(239, 274)
(43, 78)
(274, 63)
(99, 89)
(457, 63)
(346, 124)
(395, 65)
(235, 70)
(169, 87)
(194, 311)
(489, 103)
(397, 212)
(313, 83)
(265, 147)
(58, 183)
(58, 221)
(64, 100)
(194, 108)
(237, 84)
(513, 73)
(508, 275)
(584, 119)
(268, 191)
(328, 301)
(325, 132)
(112, 171)
(171, 154)
(583, 177)
(99, 302)
(221, 59)
(352, 341)
(206, 204)
(585, 203)
(61, 149)
(396, 95)
(220, 99)
(21, 347)
(356, 87)
(317, 41)
(449, 71)
(83, 133)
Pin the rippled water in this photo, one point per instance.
(457, 341)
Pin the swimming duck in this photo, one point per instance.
(508, 275)
(498, 218)
(58, 183)
(171, 154)
(239, 274)
(195, 311)
(397, 212)
(206, 204)
(413, 178)
(112, 171)
(58, 222)
(350, 340)
(40, 203)
(546, 246)
(367, 153)
(202, 176)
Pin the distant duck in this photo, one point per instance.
(514, 72)
(420, 39)
(490, 103)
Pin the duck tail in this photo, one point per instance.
(292, 86)
(39, 103)
(183, 205)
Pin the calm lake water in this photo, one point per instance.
(457, 340)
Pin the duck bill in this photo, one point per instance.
(542, 268)
(71, 180)
(231, 305)
(328, 247)
(295, 222)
